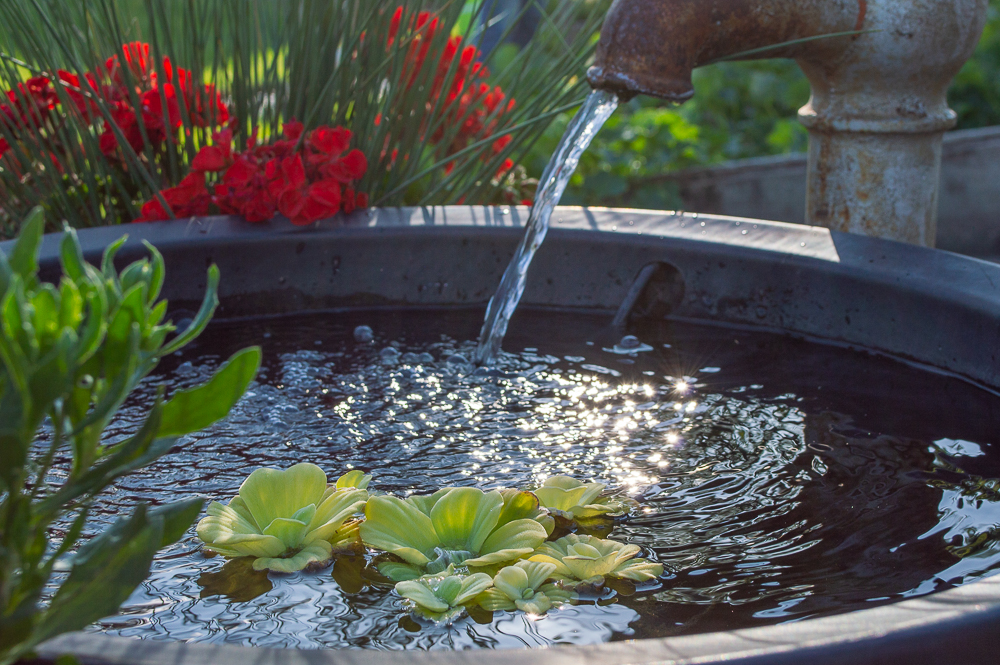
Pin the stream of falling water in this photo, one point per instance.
(581, 131)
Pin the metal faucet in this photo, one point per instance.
(879, 107)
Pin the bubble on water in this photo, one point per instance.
(630, 342)
(409, 358)
(363, 335)
(629, 345)
(389, 355)
(425, 358)
(457, 359)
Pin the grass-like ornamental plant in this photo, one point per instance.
(460, 526)
(438, 121)
(573, 500)
(522, 587)
(443, 597)
(589, 559)
(71, 353)
(287, 519)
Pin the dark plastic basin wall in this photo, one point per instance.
(929, 307)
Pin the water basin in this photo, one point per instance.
(788, 486)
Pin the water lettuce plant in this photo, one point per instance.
(522, 587)
(436, 548)
(70, 354)
(589, 559)
(355, 478)
(572, 500)
(443, 597)
(287, 519)
(461, 526)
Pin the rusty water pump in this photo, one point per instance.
(878, 110)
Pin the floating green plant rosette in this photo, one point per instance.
(355, 478)
(460, 526)
(576, 501)
(442, 597)
(589, 559)
(287, 519)
(522, 587)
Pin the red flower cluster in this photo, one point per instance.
(28, 108)
(158, 114)
(469, 102)
(304, 177)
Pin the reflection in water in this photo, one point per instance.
(236, 580)
(779, 480)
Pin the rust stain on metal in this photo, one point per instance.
(879, 96)
(652, 46)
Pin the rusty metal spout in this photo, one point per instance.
(651, 46)
(878, 111)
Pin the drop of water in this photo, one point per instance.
(581, 131)
(363, 335)
(630, 342)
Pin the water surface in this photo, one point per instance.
(779, 480)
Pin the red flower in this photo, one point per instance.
(31, 103)
(352, 166)
(216, 157)
(82, 91)
(397, 18)
(473, 110)
(292, 129)
(305, 181)
(244, 191)
(330, 143)
(137, 60)
(508, 164)
(188, 199)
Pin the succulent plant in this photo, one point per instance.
(286, 519)
(442, 597)
(589, 559)
(522, 587)
(460, 526)
(355, 478)
(573, 500)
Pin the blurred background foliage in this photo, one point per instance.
(740, 110)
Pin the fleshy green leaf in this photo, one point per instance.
(271, 494)
(201, 320)
(195, 409)
(465, 516)
(72, 255)
(158, 272)
(108, 260)
(399, 527)
(105, 572)
(24, 257)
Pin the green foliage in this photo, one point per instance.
(324, 63)
(975, 95)
(454, 526)
(71, 353)
(287, 520)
